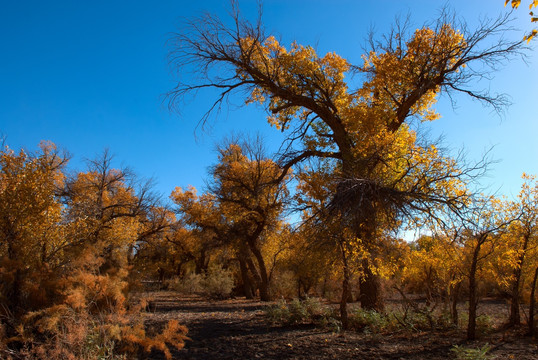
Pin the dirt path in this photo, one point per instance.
(236, 329)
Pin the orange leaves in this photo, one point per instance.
(30, 225)
(173, 334)
(64, 254)
(246, 185)
(513, 3)
(299, 71)
(534, 3)
(395, 75)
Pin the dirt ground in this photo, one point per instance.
(237, 329)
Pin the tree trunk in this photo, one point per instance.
(162, 274)
(515, 317)
(201, 263)
(179, 268)
(370, 289)
(455, 297)
(248, 288)
(473, 296)
(14, 291)
(324, 286)
(264, 283)
(345, 296)
(254, 272)
(532, 304)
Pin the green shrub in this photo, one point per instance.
(484, 323)
(298, 312)
(309, 310)
(463, 353)
(278, 313)
(368, 320)
(444, 320)
(314, 307)
(418, 321)
(217, 283)
(330, 320)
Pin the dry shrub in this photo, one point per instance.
(94, 320)
(284, 285)
(190, 284)
(64, 260)
(218, 282)
(215, 283)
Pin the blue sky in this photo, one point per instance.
(90, 75)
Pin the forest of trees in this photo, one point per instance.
(320, 218)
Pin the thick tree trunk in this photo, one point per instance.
(179, 268)
(306, 288)
(201, 263)
(14, 294)
(303, 287)
(471, 325)
(264, 283)
(532, 304)
(370, 289)
(255, 274)
(248, 288)
(162, 274)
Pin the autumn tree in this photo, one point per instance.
(64, 247)
(209, 230)
(317, 181)
(477, 230)
(383, 169)
(519, 244)
(31, 231)
(109, 212)
(252, 197)
(159, 251)
(310, 262)
(433, 265)
(241, 209)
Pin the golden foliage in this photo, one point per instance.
(64, 260)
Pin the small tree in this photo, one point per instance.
(243, 206)
(477, 230)
(252, 197)
(523, 232)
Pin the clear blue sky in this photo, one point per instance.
(90, 75)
